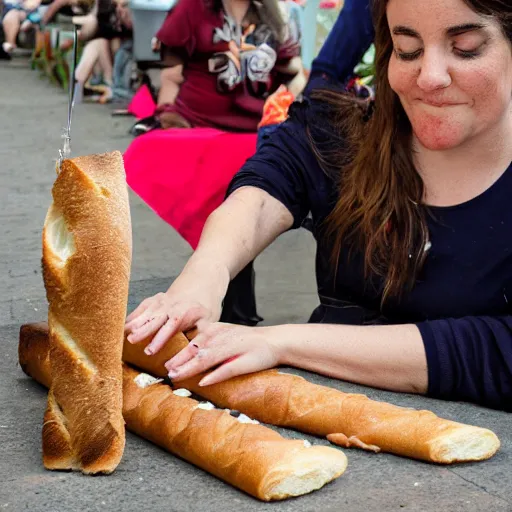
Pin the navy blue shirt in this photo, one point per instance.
(348, 40)
(462, 300)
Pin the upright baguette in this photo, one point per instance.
(346, 419)
(86, 270)
(251, 457)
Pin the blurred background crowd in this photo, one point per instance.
(225, 57)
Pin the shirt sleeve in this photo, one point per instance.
(178, 32)
(470, 359)
(348, 40)
(283, 166)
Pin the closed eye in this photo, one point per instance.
(463, 54)
(408, 56)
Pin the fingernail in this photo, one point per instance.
(130, 338)
(148, 351)
(173, 374)
(204, 382)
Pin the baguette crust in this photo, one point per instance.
(251, 457)
(86, 269)
(346, 419)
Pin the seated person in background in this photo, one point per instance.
(223, 57)
(410, 198)
(113, 24)
(18, 16)
(67, 8)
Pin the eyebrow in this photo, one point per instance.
(401, 30)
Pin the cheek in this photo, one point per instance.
(401, 78)
(491, 91)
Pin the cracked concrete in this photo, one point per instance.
(33, 114)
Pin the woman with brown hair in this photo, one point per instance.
(410, 198)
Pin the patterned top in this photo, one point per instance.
(229, 69)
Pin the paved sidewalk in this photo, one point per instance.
(32, 114)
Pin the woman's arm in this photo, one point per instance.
(170, 81)
(345, 45)
(53, 9)
(246, 223)
(268, 196)
(390, 357)
(234, 234)
(298, 82)
(466, 359)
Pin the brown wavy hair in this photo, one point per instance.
(380, 210)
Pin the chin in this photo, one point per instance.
(439, 134)
(438, 142)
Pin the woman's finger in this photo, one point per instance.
(138, 311)
(246, 363)
(168, 330)
(205, 359)
(140, 320)
(150, 327)
(182, 357)
(186, 354)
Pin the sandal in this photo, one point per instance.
(145, 125)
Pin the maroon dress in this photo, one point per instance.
(228, 70)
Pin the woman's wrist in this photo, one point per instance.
(208, 271)
(283, 338)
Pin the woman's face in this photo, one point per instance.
(451, 69)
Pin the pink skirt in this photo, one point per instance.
(183, 174)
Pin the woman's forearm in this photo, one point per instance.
(389, 357)
(171, 79)
(296, 84)
(236, 232)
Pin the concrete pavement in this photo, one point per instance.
(32, 114)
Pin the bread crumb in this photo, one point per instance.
(207, 406)
(143, 380)
(245, 419)
(182, 392)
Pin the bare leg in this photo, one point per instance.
(105, 61)
(11, 24)
(89, 58)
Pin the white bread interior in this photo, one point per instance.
(465, 444)
(59, 239)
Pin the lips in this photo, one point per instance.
(439, 103)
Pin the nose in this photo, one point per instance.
(434, 73)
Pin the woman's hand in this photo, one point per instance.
(194, 298)
(237, 349)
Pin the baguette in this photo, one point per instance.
(86, 270)
(346, 419)
(251, 457)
